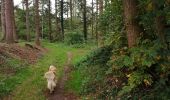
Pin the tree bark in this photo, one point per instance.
(37, 23)
(132, 27)
(97, 10)
(92, 26)
(100, 34)
(101, 6)
(56, 20)
(3, 24)
(71, 13)
(84, 20)
(49, 20)
(27, 20)
(159, 22)
(62, 19)
(9, 21)
(13, 23)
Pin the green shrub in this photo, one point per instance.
(141, 71)
(143, 65)
(93, 68)
(74, 38)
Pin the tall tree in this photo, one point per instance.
(9, 21)
(13, 22)
(159, 20)
(57, 28)
(71, 13)
(131, 25)
(37, 23)
(97, 10)
(92, 18)
(100, 34)
(3, 24)
(84, 20)
(62, 18)
(27, 20)
(49, 21)
(101, 6)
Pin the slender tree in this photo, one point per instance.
(100, 34)
(3, 24)
(27, 20)
(57, 28)
(159, 21)
(62, 18)
(131, 25)
(13, 22)
(71, 13)
(9, 21)
(97, 10)
(84, 20)
(49, 21)
(101, 6)
(92, 18)
(37, 23)
(42, 18)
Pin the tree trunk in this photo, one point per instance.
(37, 23)
(84, 20)
(27, 20)
(97, 10)
(101, 6)
(9, 21)
(92, 26)
(3, 19)
(62, 19)
(56, 20)
(49, 20)
(71, 13)
(100, 34)
(13, 23)
(159, 22)
(67, 7)
(42, 18)
(132, 27)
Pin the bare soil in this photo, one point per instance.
(25, 53)
(15, 51)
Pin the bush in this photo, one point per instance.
(141, 71)
(74, 38)
(93, 68)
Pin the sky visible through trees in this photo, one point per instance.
(18, 2)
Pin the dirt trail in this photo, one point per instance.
(60, 93)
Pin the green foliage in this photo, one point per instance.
(74, 38)
(92, 69)
(142, 64)
(111, 21)
(9, 68)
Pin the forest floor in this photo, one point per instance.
(29, 84)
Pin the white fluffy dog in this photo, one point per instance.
(51, 78)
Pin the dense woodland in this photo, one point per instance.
(125, 45)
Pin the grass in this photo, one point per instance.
(75, 83)
(29, 84)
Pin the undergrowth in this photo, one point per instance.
(126, 73)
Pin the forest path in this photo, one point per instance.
(34, 85)
(59, 92)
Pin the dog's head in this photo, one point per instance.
(52, 68)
